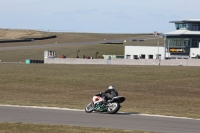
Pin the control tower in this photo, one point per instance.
(185, 40)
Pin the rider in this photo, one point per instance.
(110, 93)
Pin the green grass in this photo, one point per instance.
(38, 128)
(149, 89)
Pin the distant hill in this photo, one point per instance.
(10, 34)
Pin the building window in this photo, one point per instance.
(195, 43)
(150, 56)
(135, 57)
(177, 26)
(186, 42)
(195, 27)
(177, 42)
(128, 56)
(142, 56)
(181, 26)
(170, 42)
(185, 26)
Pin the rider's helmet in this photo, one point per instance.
(111, 87)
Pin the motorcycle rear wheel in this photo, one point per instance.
(114, 108)
(89, 108)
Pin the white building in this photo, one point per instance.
(144, 52)
(182, 43)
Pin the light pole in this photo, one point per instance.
(159, 56)
(77, 54)
(165, 45)
(168, 49)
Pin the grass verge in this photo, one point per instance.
(148, 89)
(38, 128)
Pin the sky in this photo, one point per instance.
(97, 16)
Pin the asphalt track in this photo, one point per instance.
(58, 45)
(65, 44)
(127, 121)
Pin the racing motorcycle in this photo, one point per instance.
(99, 104)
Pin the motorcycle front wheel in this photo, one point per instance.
(89, 108)
(113, 108)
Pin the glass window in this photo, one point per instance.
(195, 43)
(170, 42)
(177, 26)
(187, 26)
(195, 27)
(184, 26)
(181, 26)
(186, 43)
(128, 56)
(177, 42)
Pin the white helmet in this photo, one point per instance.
(111, 87)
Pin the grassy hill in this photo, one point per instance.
(10, 34)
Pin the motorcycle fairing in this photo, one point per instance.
(96, 99)
(118, 99)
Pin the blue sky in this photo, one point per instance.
(103, 16)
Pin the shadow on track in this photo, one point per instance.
(119, 113)
(126, 113)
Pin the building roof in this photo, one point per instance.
(186, 20)
(182, 32)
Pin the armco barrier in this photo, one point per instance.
(172, 62)
(27, 39)
(34, 61)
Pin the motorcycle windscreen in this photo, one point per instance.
(118, 99)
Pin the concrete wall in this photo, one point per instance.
(172, 62)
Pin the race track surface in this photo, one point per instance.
(57, 45)
(128, 121)
(65, 44)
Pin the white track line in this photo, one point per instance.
(56, 108)
(167, 116)
(38, 107)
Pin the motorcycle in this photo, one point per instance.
(99, 104)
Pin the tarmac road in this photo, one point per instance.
(46, 45)
(128, 121)
(58, 45)
(67, 44)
